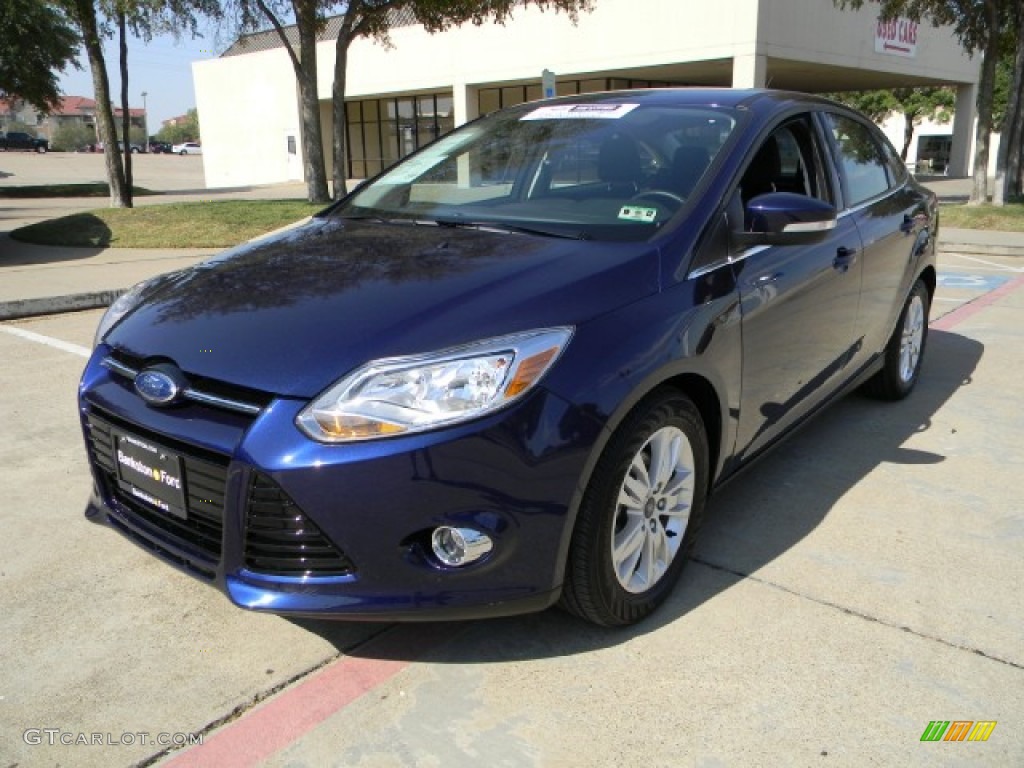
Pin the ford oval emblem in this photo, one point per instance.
(156, 387)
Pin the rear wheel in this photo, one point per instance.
(639, 515)
(904, 352)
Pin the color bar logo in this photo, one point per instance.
(958, 730)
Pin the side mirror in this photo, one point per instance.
(784, 218)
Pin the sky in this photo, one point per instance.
(162, 68)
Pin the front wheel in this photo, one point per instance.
(904, 351)
(183, 153)
(639, 515)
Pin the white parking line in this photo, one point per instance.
(994, 265)
(74, 349)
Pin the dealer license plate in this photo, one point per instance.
(150, 473)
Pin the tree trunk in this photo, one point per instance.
(85, 16)
(1008, 169)
(340, 143)
(309, 104)
(908, 134)
(126, 117)
(986, 88)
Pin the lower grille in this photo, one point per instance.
(281, 540)
(204, 478)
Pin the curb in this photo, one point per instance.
(51, 305)
(978, 249)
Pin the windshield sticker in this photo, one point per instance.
(636, 213)
(581, 112)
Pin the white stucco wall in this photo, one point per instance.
(247, 104)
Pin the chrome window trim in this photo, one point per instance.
(718, 264)
(195, 395)
(871, 201)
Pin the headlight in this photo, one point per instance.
(122, 305)
(413, 394)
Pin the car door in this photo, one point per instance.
(885, 210)
(799, 302)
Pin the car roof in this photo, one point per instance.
(694, 96)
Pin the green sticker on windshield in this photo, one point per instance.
(637, 213)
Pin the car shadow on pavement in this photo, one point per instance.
(768, 510)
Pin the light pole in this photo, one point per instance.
(145, 124)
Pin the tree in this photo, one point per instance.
(93, 20)
(358, 18)
(72, 136)
(1009, 181)
(915, 104)
(978, 25)
(36, 42)
(83, 14)
(181, 131)
(367, 18)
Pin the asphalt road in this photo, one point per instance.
(861, 582)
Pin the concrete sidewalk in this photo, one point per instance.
(40, 280)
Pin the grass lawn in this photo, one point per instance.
(67, 190)
(1008, 218)
(217, 224)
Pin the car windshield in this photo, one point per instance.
(591, 170)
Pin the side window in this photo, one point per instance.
(897, 170)
(789, 160)
(860, 157)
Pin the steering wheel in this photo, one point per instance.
(658, 193)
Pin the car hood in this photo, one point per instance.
(292, 313)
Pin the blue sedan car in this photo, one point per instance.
(509, 372)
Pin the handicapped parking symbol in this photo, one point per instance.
(977, 282)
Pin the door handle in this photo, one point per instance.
(845, 258)
(765, 279)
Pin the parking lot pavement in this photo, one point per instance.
(98, 637)
(857, 584)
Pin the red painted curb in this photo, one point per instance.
(285, 718)
(958, 315)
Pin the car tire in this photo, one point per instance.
(631, 538)
(41, 150)
(183, 152)
(904, 351)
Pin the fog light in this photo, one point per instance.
(459, 546)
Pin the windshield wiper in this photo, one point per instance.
(495, 226)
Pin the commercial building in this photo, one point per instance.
(403, 96)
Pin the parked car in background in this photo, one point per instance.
(135, 148)
(188, 148)
(16, 140)
(510, 370)
(159, 147)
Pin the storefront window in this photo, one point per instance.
(381, 132)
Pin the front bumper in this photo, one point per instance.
(286, 525)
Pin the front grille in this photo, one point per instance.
(205, 478)
(281, 540)
(201, 389)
